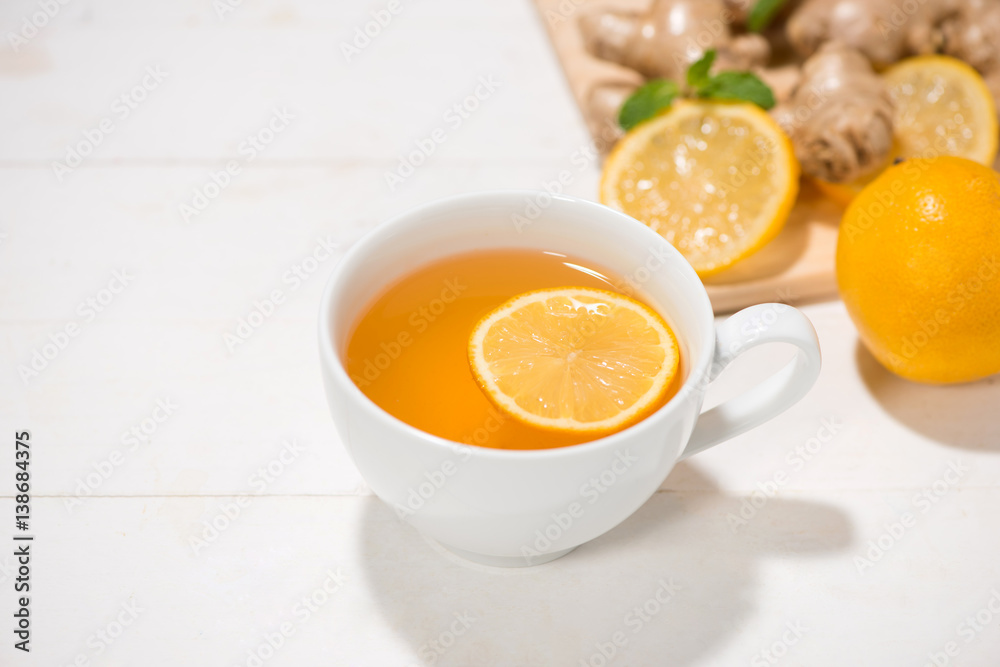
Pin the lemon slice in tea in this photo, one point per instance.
(574, 359)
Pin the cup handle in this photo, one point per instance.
(750, 327)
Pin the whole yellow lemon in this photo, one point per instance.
(918, 267)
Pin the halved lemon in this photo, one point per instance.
(715, 179)
(942, 107)
(574, 359)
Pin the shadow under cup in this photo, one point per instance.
(488, 500)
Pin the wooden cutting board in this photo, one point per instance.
(797, 266)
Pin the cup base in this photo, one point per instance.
(505, 561)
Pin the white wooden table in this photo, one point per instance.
(192, 503)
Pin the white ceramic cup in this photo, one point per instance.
(515, 508)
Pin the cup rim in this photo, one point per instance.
(387, 229)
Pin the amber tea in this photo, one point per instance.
(408, 351)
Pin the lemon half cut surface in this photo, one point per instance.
(943, 107)
(715, 179)
(574, 359)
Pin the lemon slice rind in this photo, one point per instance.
(484, 369)
(908, 81)
(709, 155)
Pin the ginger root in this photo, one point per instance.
(972, 34)
(882, 31)
(886, 32)
(839, 115)
(604, 101)
(663, 42)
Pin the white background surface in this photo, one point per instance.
(162, 337)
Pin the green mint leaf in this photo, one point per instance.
(647, 101)
(762, 13)
(697, 74)
(744, 86)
